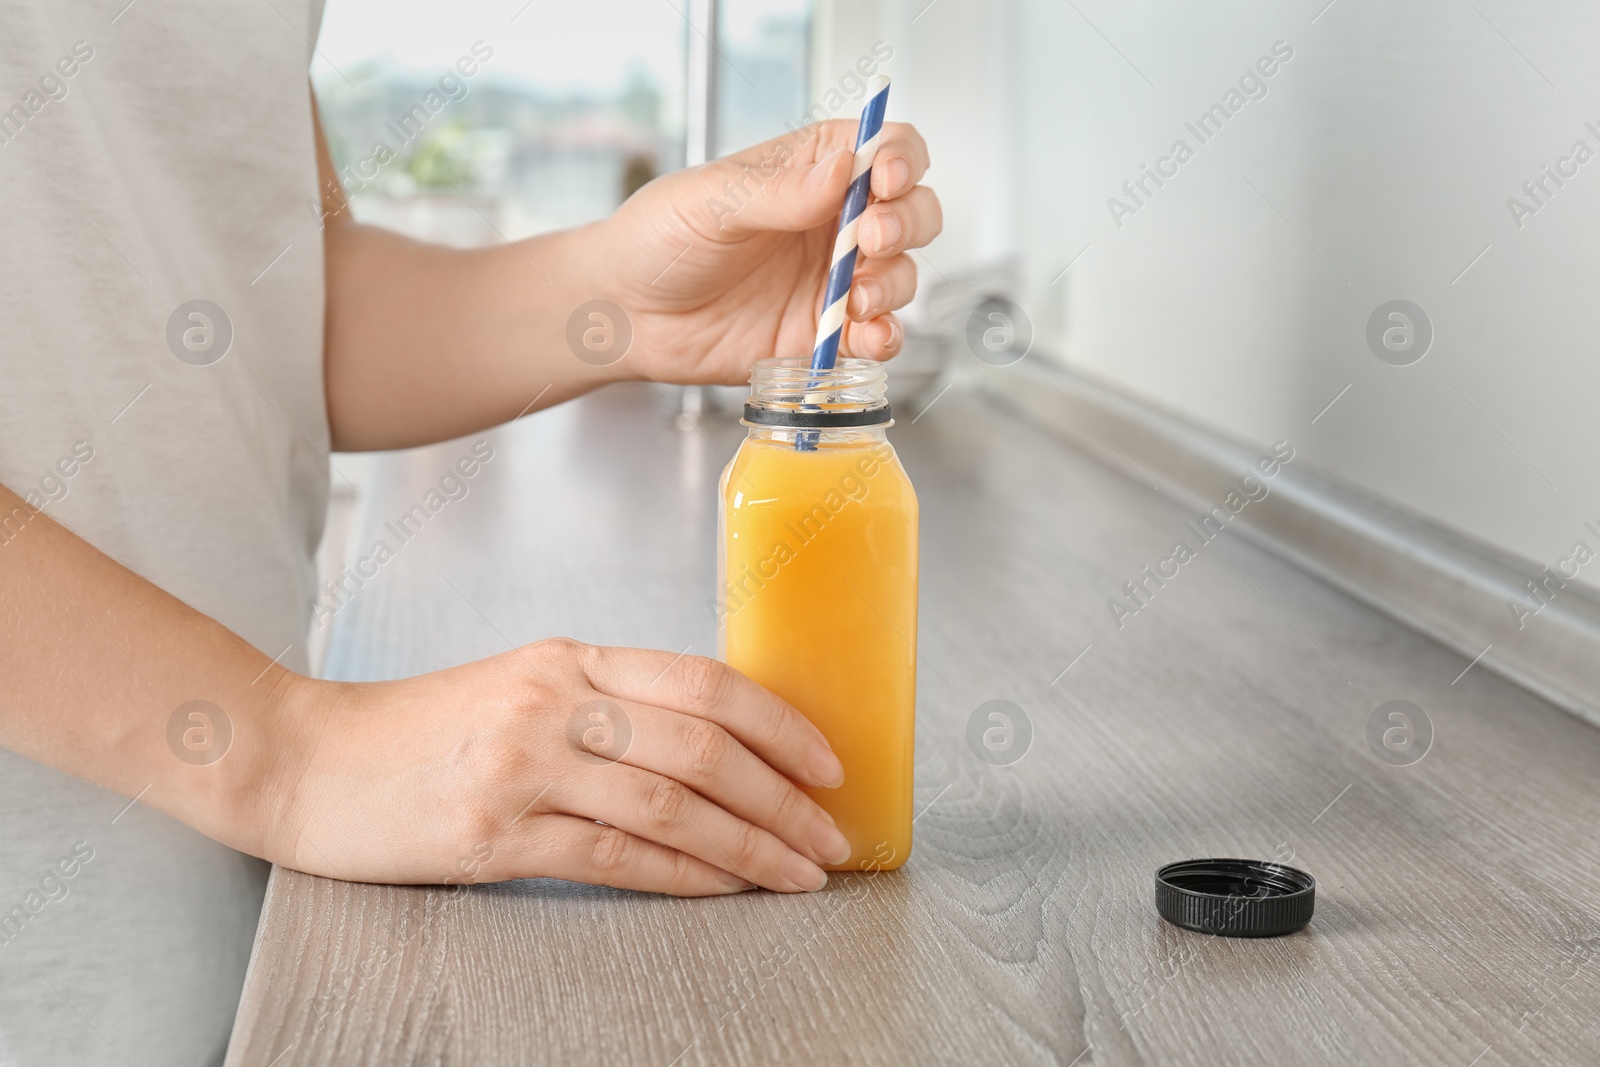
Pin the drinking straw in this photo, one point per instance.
(831, 325)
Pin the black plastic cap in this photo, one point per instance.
(1235, 898)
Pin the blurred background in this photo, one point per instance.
(1340, 156)
(575, 106)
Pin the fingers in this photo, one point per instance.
(881, 286)
(708, 689)
(887, 277)
(890, 227)
(880, 338)
(901, 161)
(669, 813)
(704, 756)
(899, 141)
(790, 184)
(581, 850)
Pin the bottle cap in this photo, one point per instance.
(1235, 898)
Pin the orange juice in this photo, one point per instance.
(818, 603)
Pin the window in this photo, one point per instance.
(761, 77)
(474, 122)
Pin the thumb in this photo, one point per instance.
(746, 200)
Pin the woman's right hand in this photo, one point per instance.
(615, 766)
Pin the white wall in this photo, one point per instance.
(1381, 160)
(951, 77)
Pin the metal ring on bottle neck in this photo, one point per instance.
(815, 420)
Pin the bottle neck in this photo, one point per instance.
(791, 403)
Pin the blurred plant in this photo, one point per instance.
(442, 159)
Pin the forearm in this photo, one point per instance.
(426, 343)
(94, 661)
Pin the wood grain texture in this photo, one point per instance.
(1455, 917)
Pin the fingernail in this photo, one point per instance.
(803, 874)
(829, 844)
(885, 230)
(896, 336)
(734, 883)
(868, 296)
(818, 178)
(824, 767)
(897, 173)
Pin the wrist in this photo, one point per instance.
(593, 335)
(267, 791)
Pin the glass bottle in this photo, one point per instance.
(817, 584)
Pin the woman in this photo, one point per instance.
(185, 342)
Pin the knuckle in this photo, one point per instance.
(666, 802)
(702, 681)
(484, 826)
(791, 806)
(564, 650)
(747, 844)
(683, 870)
(536, 693)
(499, 761)
(558, 662)
(610, 849)
(709, 748)
(474, 826)
(777, 729)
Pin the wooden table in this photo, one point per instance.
(1454, 922)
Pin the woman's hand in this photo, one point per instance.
(720, 265)
(615, 766)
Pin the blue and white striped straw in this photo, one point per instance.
(831, 326)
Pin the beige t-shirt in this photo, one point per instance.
(153, 155)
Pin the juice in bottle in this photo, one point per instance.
(817, 584)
